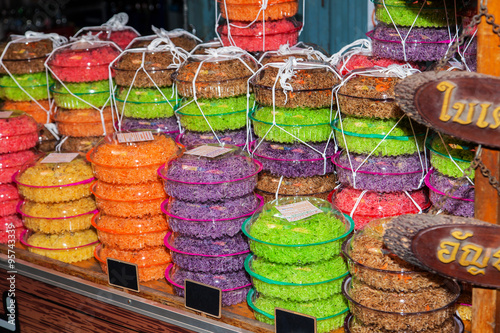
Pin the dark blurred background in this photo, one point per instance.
(68, 16)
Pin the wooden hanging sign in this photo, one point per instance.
(462, 104)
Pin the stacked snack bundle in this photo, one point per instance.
(81, 92)
(214, 104)
(296, 262)
(25, 85)
(114, 30)
(300, 51)
(414, 30)
(383, 161)
(58, 207)
(256, 25)
(203, 47)
(145, 95)
(18, 135)
(130, 223)
(211, 193)
(294, 139)
(387, 294)
(450, 157)
(180, 38)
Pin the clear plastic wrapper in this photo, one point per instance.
(13, 162)
(381, 137)
(131, 162)
(130, 233)
(415, 14)
(138, 200)
(84, 60)
(256, 38)
(250, 10)
(234, 285)
(236, 137)
(82, 145)
(68, 247)
(167, 126)
(371, 263)
(422, 44)
(18, 131)
(268, 196)
(220, 219)
(35, 109)
(55, 182)
(310, 86)
(9, 199)
(151, 262)
(34, 86)
(204, 47)
(207, 115)
(330, 313)
(224, 73)
(57, 218)
(381, 173)
(146, 103)
(451, 156)
(221, 255)
(9, 223)
(94, 94)
(179, 37)
(402, 311)
(84, 122)
(364, 206)
(300, 51)
(305, 186)
(200, 179)
(291, 125)
(295, 160)
(312, 239)
(27, 54)
(297, 283)
(459, 202)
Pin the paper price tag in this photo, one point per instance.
(135, 137)
(5, 114)
(298, 210)
(208, 151)
(59, 158)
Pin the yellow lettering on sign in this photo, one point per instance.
(460, 235)
(475, 271)
(496, 264)
(478, 251)
(460, 109)
(452, 255)
(446, 87)
(481, 121)
(496, 116)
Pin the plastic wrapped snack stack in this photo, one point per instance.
(180, 38)
(129, 193)
(295, 262)
(214, 103)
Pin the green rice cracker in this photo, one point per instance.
(222, 113)
(462, 153)
(308, 125)
(364, 135)
(330, 313)
(34, 84)
(95, 93)
(297, 283)
(313, 234)
(146, 103)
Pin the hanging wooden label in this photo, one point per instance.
(462, 104)
(469, 253)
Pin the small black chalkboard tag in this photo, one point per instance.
(123, 274)
(203, 298)
(286, 321)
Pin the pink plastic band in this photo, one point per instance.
(170, 247)
(162, 168)
(337, 156)
(86, 181)
(167, 276)
(370, 34)
(165, 203)
(25, 243)
(18, 209)
(433, 189)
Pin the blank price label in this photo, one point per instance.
(59, 158)
(134, 137)
(292, 322)
(123, 274)
(203, 298)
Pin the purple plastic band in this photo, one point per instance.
(18, 209)
(23, 241)
(337, 156)
(170, 247)
(433, 189)
(165, 203)
(282, 159)
(179, 137)
(370, 35)
(167, 276)
(86, 181)
(259, 169)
